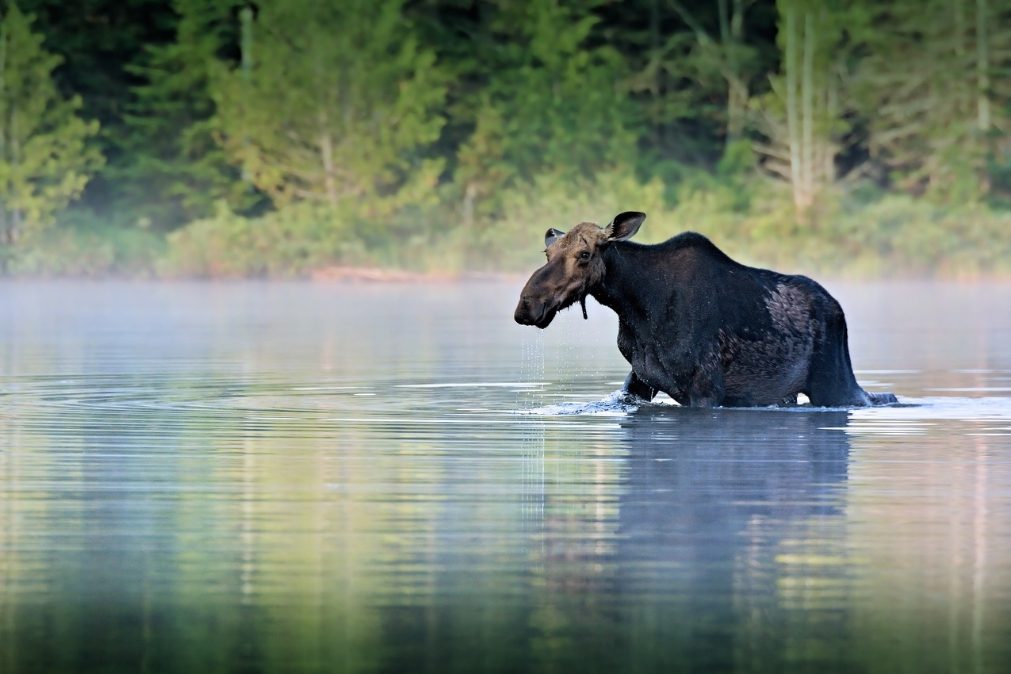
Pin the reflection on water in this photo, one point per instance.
(749, 507)
(261, 477)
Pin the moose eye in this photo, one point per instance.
(584, 256)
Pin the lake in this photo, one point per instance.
(297, 477)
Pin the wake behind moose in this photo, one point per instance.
(695, 324)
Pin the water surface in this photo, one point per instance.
(263, 477)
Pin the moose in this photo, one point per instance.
(695, 324)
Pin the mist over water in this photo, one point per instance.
(350, 478)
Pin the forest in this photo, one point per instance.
(282, 138)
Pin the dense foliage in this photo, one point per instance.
(229, 138)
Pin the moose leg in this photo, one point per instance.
(637, 387)
(830, 380)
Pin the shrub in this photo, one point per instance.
(85, 246)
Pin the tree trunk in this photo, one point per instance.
(831, 111)
(792, 116)
(14, 226)
(737, 106)
(4, 232)
(732, 33)
(5, 244)
(739, 87)
(657, 120)
(246, 60)
(13, 161)
(960, 56)
(807, 93)
(469, 201)
(982, 68)
(326, 155)
(983, 88)
(5, 238)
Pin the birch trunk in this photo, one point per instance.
(807, 95)
(792, 121)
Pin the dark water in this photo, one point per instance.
(287, 478)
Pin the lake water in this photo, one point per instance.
(260, 477)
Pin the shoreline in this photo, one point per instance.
(350, 274)
(371, 275)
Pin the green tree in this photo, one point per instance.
(935, 92)
(173, 169)
(723, 58)
(550, 101)
(45, 155)
(804, 119)
(338, 102)
(99, 41)
(694, 69)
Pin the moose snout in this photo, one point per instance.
(531, 311)
(524, 314)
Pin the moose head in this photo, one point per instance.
(575, 267)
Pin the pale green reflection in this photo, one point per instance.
(380, 499)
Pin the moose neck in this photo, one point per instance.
(627, 280)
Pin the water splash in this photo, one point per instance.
(617, 403)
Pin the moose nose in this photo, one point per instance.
(522, 314)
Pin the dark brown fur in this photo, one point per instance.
(695, 324)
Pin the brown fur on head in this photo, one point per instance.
(574, 268)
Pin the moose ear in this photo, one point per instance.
(551, 236)
(624, 226)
